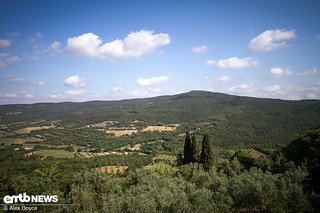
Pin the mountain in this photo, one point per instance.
(230, 119)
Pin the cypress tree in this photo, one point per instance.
(194, 149)
(206, 156)
(187, 149)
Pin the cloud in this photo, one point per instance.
(2, 64)
(150, 92)
(17, 79)
(74, 81)
(308, 73)
(280, 72)
(152, 81)
(271, 40)
(13, 60)
(74, 92)
(6, 59)
(56, 95)
(134, 45)
(272, 88)
(4, 55)
(199, 49)
(224, 79)
(234, 63)
(243, 88)
(10, 95)
(117, 89)
(206, 77)
(13, 34)
(56, 47)
(22, 94)
(26, 94)
(5, 43)
(38, 83)
(301, 92)
(39, 34)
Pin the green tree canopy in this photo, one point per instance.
(187, 149)
(244, 157)
(206, 156)
(195, 149)
(305, 150)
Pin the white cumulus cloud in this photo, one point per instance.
(244, 88)
(74, 81)
(278, 71)
(271, 40)
(234, 63)
(272, 88)
(281, 72)
(152, 81)
(199, 49)
(135, 44)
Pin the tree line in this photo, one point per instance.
(194, 153)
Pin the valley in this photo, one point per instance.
(71, 145)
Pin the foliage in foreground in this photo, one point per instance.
(163, 188)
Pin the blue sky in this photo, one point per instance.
(54, 51)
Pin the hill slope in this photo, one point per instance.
(230, 119)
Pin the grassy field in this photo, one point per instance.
(30, 129)
(54, 153)
(254, 153)
(119, 133)
(8, 141)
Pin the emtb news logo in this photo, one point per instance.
(24, 198)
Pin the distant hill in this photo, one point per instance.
(228, 118)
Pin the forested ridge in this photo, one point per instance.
(232, 120)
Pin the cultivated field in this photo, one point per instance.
(53, 153)
(136, 147)
(28, 130)
(164, 157)
(8, 141)
(121, 132)
(98, 154)
(113, 169)
(102, 124)
(168, 128)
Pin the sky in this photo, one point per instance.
(57, 51)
